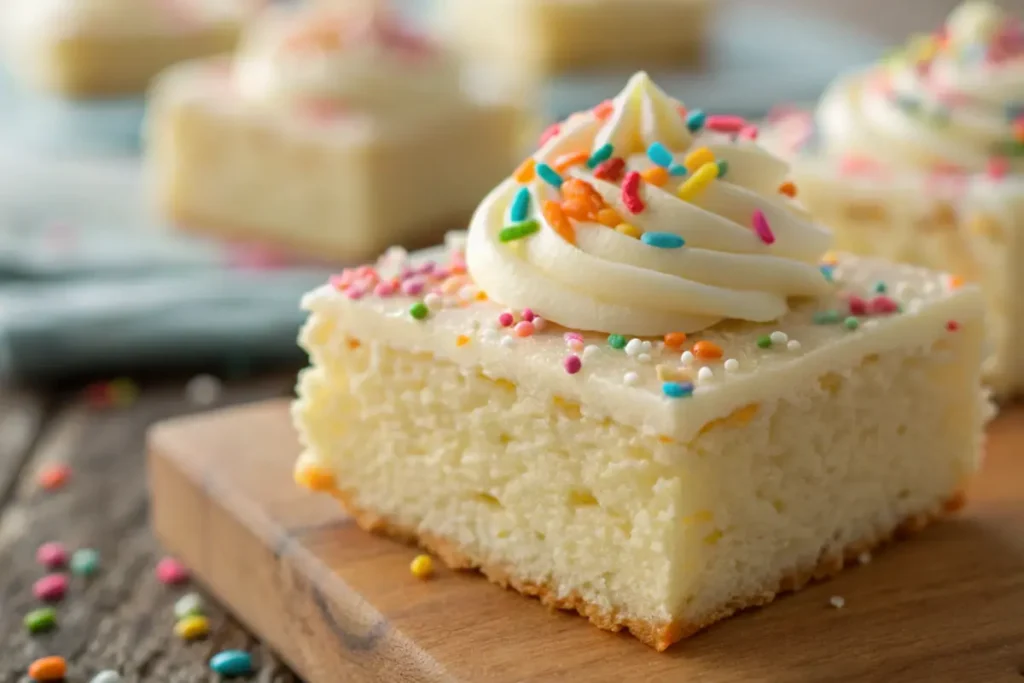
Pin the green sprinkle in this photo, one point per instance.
(764, 342)
(616, 341)
(826, 317)
(723, 168)
(881, 288)
(419, 310)
(851, 323)
(40, 620)
(518, 231)
(85, 562)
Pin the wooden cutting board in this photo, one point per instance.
(341, 606)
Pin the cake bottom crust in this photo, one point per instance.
(658, 634)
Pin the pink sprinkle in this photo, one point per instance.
(854, 165)
(952, 326)
(998, 168)
(883, 305)
(858, 306)
(572, 364)
(412, 287)
(761, 227)
(441, 273)
(524, 328)
(725, 123)
(52, 555)
(630, 190)
(539, 323)
(340, 282)
(528, 315)
(427, 268)
(171, 572)
(50, 588)
(575, 344)
(355, 293)
(384, 289)
(550, 132)
(749, 132)
(571, 336)
(506, 319)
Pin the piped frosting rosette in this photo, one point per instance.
(950, 101)
(357, 57)
(637, 218)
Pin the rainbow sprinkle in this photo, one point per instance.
(761, 227)
(660, 155)
(520, 208)
(697, 182)
(677, 389)
(550, 176)
(603, 154)
(695, 120)
(518, 231)
(662, 240)
(630, 192)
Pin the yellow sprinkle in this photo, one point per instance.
(526, 171)
(461, 340)
(696, 183)
(314, 478)
(422, 567)
(667, 373)
(192, 628)
(629, 230)
(655, 175)
(830, 258)
(697, 158)
(608, 216)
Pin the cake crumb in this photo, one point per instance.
(864, 558)
(837, 601)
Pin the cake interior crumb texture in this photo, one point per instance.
(634, 529)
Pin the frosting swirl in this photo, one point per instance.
(953, 100)
(636, 243)
(356, 57)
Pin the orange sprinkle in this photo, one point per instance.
(578, 209)
(604, 110)
(706, 350)
(656, 175)
(481, 296)
(567, 161)
(48, 669)
(352, 343)
(788, 188)
(526, 171)
(674, 340)
(461, 340)
(559, 222)
(314, 478)
(609, 216)
(457, 269)
(830, 258)
(955, 282)
(53, 477)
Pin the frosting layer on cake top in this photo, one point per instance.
(641, 217)
(953, 100)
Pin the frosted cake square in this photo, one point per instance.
(638, 387)
(333, 133)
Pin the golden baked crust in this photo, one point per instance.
(659, 635)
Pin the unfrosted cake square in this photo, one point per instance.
(918, 159)
(639, 387)
(334, 133)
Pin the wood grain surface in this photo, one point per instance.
(341, 605)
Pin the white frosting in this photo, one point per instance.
(358, 58)
(25, 18)
(610, 282)
(943, 103)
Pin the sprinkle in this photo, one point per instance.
(526, 171)
(675, 340)
(630, 378)
(837, 601)
(793, 345)
(788, 188)
(54, 476)
(549, 132)
(686, 358)
(662, 240)
(677, 170)
(707, 350)
(952, 326)
(422, 566)
(616, 341)
(50, 588)
(779, 337)
(857, 305)
(749, 132)
(461, 340)
(698, 158)
(997, 168)
(705, 375)
(524, 328)
(731, 365)
(574, 344)
(507, 342)
(630, 190)
(520, 206)
(107, 676)
(567, 161)
(558, 221)
(761, 227)
(660, 155)
(851, 323)
(667, 373)
(604, 110)
(192, 627)
(955, 282)
(518, 231)
(695, 120)
(827, 272)
(655, 175)
(528, 315)
(725, 124)
(880, 287)
(188, 605)
(52, 555)
(433, 301)
(572, 364)
(590, 351)
(40, 620)
(629, 230)
(602, 154)
(826, 317)
(549, 175)
(764, 342)
(883, 305)
(171, 572)
(697, 182)
(610, 170)
(609, 216)
(85, 562)
(506, 319)
(634, 347)
(48, 669)
(723, 168)
(232, 663)
(677, 389)
(419, 310)
(413, 287)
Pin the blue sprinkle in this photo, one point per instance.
(695, 120)
(662, 240)
(677, 170)
(550, 176)
(677, 389)
(660, 155)
(232, 663)
(604, 153)
(520, 206)
(827, 272)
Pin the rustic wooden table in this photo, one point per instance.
(122, 619)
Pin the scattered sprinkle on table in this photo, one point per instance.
(52, 555)
(232, 663)
(192, 627)
(203, 390)
(422, 566)
(85, 562)
(48, 669)
(851, 323)
(171, 572)
(764, 342)
(837, 601)
(51, 588)
(54, 476)
(188, 605)
(40, 620)
(108, 676)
